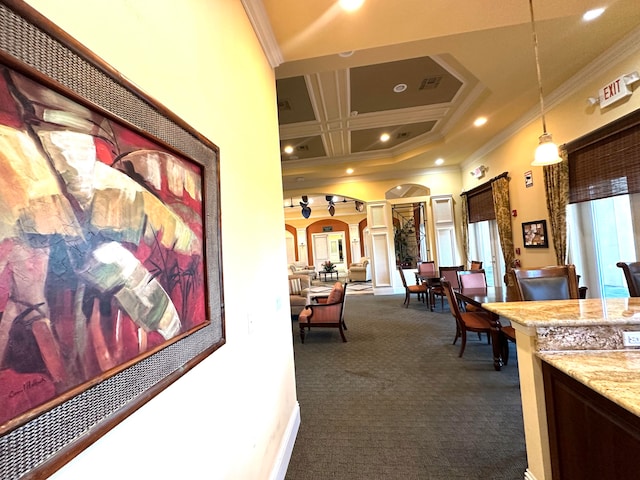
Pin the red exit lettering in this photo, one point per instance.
(612, 89)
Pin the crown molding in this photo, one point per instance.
(262, 28)
(606, 61)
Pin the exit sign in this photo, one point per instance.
(614, 91)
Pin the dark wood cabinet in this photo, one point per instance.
(590, 436)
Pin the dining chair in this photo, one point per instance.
(476, 265)
(472, 279)
(419, 288)
(547, 283)
(450, 274)
(632, 276)
(426, 269)
(507, 334)
(478, 322)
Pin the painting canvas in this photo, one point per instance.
(535, 234)
(101, 246)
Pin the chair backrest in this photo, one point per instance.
(427, 268)
(404, 280)
(450, 274)
(475, 265)
(632, 275)
(454, 307)
(472, 279)
(547, 283)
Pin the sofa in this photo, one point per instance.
(298, 293)
(360, 271)
(298, 268)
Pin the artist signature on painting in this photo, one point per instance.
(26, 386)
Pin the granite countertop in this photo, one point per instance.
(588, 312)
(613, 374)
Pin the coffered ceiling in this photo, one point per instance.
(420, 71)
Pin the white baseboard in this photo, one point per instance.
(286, 447)
(528, 475)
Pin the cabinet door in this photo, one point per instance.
(590, 437)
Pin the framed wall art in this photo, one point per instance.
(534, 234)
(110, 270)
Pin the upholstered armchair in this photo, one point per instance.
(298, 293)
(360, 271)
(325, 312)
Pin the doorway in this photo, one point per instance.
(329, 246)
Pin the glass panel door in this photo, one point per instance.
(484, 245)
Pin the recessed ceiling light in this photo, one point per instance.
(399, 88)
(385, 137)
(480, 121)
(345, 54)
(351, 5)
(439, 161)
(349, 171)
(592, 14)
(399, 187)
(299, 179)
(288, 149)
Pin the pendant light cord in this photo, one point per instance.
(535, 50)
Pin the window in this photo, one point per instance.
(484, 245)
(604, 190)
(601, 233)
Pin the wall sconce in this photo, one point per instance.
(478, 172)
(355, 240)
(302, 244)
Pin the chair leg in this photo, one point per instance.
(344, 339)
(302, 333)
(505, 349)
(463, 344)
(407, 299)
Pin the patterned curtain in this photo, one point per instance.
(465, 230)
(502, 206)
(556, 186)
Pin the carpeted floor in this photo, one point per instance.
(396, 402)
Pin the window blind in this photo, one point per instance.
(606, 162)
(480, 201)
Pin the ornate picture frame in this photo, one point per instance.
(110, 247)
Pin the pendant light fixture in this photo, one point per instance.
(547, 151)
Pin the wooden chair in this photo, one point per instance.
(425, 269)
(632, 276)
(478, 322)
(507, 334)
(450, 274)
(472, 279)
(547, 283)
(327, 312)
(475, 265)
(419, 289)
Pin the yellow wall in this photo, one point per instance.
(569, 120)
(228, 417)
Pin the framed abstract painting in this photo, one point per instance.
(110, 270)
